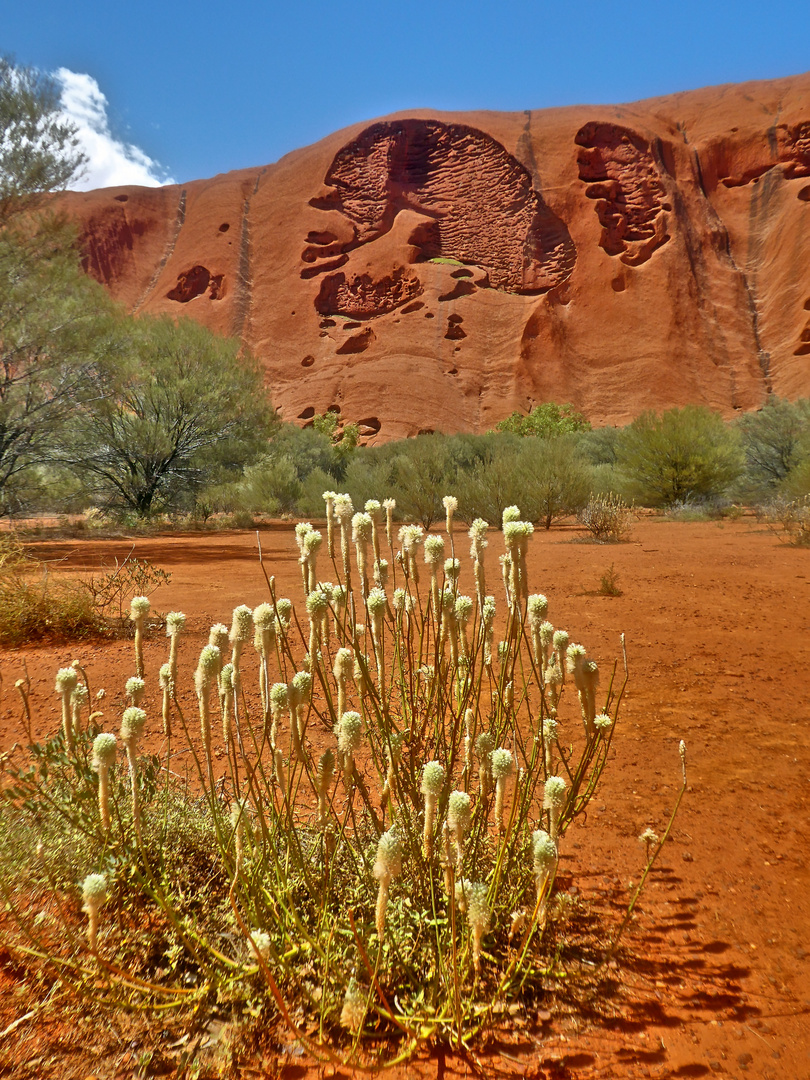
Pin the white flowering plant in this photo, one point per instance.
(374, 823)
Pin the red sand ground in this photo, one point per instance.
(717, 618)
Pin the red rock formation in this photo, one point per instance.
(435, 272)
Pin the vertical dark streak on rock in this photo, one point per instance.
(244, 292)
(524, 152)
(241, 306)
(722, 244)
(179, 221)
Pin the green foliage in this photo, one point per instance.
(38, 148)
(177, 408)
(422, 472)
(797, 482)
(343, 439)
(776, 443)
(52, 326)
(683, 454)
(307, 448)
(268, 486)
(548, 421)
(368, 474)
(546, 478)
(599, 446)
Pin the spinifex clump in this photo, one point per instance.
(396, 804)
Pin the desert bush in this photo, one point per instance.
(791, 517)
(686, 453)
(546, 421)
(35, 604)
(422, 469)
(368, 845)
(110, 590)
(776, 442)
(269, 486)
(797, 483)
(609, 582)
(607, 518)
(493, 484)
(368, 475)
(555, 480)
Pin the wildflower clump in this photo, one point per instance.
(383, 792)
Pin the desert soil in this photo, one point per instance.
(716, 976)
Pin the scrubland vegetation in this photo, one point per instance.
(137, 457)
(372, 861)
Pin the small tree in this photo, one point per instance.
(52, 322)
(687, 453)
(555, 479)
(546, 478)
(48, 308)
(178, 408)
(775, 440)
(422, 472)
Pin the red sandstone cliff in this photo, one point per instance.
(437, 271)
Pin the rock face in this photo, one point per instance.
(437, 271)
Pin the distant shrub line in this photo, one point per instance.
(551, 463)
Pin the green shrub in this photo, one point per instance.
(776, 443)
(686, 453)
(547, 421)
(546, 478)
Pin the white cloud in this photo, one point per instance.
(111, 162)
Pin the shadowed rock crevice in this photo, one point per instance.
(620, 170)
(357, 343)
(454, 331)
(479, 200)
(362, 296)
(195, 282)
(786, 145)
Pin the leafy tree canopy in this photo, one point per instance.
(178, 408)
(38, 147)
(683, 454)
(52, 323)
(546, 421)
(775, 440)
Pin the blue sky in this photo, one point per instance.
(182, 91)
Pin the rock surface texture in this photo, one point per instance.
(437, 271)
